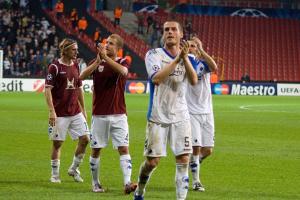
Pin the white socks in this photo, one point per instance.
(126, 167)
(76, 161)
(195, 168)
(182, 180)
(94, 166)
(55, 167)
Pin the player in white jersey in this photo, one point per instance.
(199, 101)
(169, 70)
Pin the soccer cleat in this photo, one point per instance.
(198, 187)
(55, 179)
(138, 197)
(98, 188)
(75, 174)
(130, 187)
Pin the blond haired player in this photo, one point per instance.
(65, 101)
(109, 118)
(199, 101)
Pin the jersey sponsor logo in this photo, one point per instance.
(165, 62)
(100, 68)
(70, 84)
(62, 72)
(49, 77)
(178, 71)
(221, 89)
(238, 89)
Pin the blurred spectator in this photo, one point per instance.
(188, 28)
(6, 66)
(74, 18)
(45, 23)
(128, 58)
(82, 25)
(245, 78)
(127, 5)
(97, 36)
(120, 53)
(214, 77)
(140, 17)
(149, 23)
(99, 5)
(59, 9)
(118, 14)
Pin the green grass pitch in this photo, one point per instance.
(256, 155)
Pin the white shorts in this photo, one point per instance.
(203, 130)
(158, 135)
(76, 125)
(105, 126)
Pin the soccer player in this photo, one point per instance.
(65, 100)
(109, 118)
(169, 70)
(199, 101)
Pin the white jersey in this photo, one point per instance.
(199, 96)
(167, 100)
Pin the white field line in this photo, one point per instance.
(262, 108)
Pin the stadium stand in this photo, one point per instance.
(267, 48)
(29, 42)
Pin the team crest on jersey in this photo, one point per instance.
(70, 84)
(155, 68)
(100, 68)
(49, 77)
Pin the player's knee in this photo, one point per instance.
(182, 158)
(123, 150)
(207, 151)
(57, 145)
(84, 140)
(152, 162)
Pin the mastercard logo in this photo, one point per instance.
(221, 89)
(138, 88)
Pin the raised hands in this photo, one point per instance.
(184, 49)
(101, 51)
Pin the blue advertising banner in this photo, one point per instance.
(237, 11)
(252, 89)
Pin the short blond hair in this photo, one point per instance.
(119, 40)
(65, 44)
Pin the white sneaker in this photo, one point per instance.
(198, 187)
(75, 174)
(55, 179)
(98, 188)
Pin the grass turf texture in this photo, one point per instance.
(257, 152)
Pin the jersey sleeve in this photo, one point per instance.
(152, 62)
(51, 75)
(124, 62)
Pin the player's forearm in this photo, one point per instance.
(81, 99)
(116, 66)
(212, 65)
(191, 73)
(49, 101)
(89, 70)
(164, 73)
